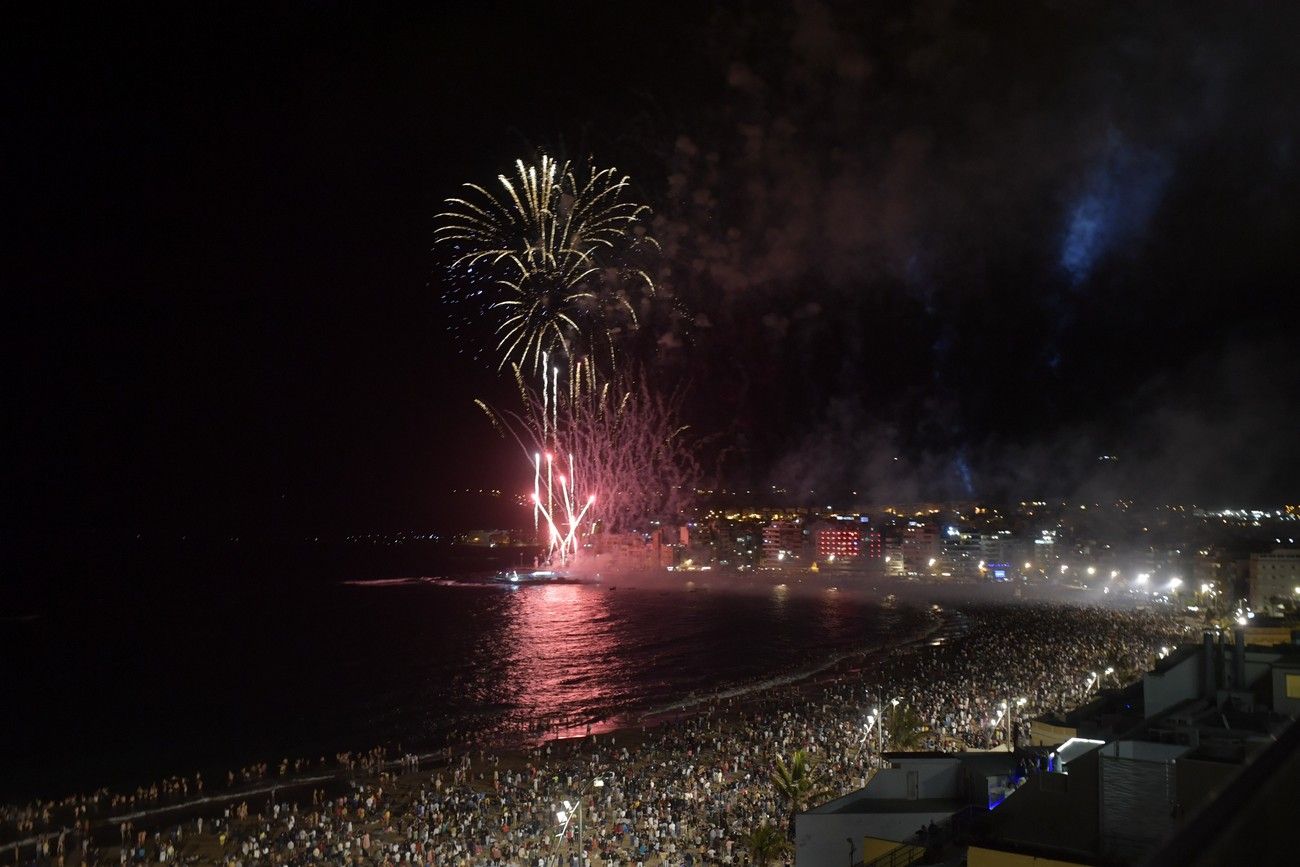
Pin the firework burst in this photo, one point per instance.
(552, 261)
(625, 459)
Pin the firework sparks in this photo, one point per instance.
(624, 445)
(550, 259)
(566, 505)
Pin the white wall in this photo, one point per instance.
(887, 783)
(1163, 690)
(937, 777)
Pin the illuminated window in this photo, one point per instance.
(1293, 686)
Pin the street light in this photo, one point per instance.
(1020, 702)
(572, 811)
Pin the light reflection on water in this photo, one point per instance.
(573, 655)
(563, 653)
(347, 667)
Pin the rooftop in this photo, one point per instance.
(859, 802)
(983, 762)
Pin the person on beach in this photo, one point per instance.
(686, 791)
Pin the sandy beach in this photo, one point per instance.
(475, 797)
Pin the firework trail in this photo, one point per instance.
(552, 261)
(623, 447)
(561, 534)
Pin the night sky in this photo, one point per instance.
(926, 250)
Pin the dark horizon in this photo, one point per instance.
(926, 254)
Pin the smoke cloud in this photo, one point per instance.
(933, 251)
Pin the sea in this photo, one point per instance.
(148, 666)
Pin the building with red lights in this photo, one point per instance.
(838, 542)
(847, 544)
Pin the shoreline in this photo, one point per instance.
(733, 736)
(802, 676)
(512, 749)
(515, 743)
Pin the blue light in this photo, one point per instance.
(963, 470)
(1115, 204)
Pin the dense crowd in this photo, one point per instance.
(686, 792)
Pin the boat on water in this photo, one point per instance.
(535, 576)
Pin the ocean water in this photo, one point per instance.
(114, 686)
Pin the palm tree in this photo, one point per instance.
(904, 728)
(766, 843)
(796, 783)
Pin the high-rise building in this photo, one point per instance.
(996, 547)
(1275, 575)
(960, 553)
(873, 547)
(920, 547)
(837, 542)
(893, 548)
(782, 544)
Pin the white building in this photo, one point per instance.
(1274, 574)
(782, 544)
(916, 790)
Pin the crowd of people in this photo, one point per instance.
(687, 791)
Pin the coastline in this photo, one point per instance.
(515, 751)
(710, 756)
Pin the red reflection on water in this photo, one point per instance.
(565, 655)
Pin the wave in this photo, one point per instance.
(423, 581)
(790, 678)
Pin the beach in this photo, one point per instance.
(686, 780)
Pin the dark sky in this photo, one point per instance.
(926, 251)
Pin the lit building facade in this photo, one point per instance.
(1274, 575)
(920, 547)
(782, 543)
(961, 553)
(840, 542)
